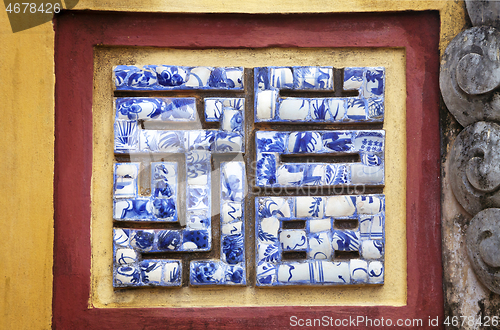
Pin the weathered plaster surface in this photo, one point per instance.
(26, 174)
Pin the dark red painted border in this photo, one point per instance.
(78, 32)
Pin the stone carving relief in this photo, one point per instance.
(470, 73)
(483, 244)
(469, 81)
(484, 12)
(475, 167)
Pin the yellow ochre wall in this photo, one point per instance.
(27, 135)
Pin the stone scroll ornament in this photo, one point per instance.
(475, 167)
(469, 81)
(484, 12)
(470, 75)
(483, 244)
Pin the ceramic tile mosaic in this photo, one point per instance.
(269, 105)
(163, 203)
(160, 206)
(322, 237)
(171, 77)
(272, 172)
(128, 267)
(342, 239)
(156, 109)
(131, 138)
(332, 240)
(230, 269)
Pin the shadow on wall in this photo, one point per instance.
(24, 15)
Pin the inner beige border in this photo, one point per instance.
(392, 293)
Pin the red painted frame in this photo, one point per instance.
(76, 35)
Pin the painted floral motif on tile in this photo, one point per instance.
(269, 105)
(322, 238)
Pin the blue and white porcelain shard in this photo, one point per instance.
(375, 272)
(314, 272)
(232, 181)
(161, 141)
(293, 240)
(148, 273)
(200, 140)
(312, 78)
(160, 206)
(279, 207)
(198, 168)
(309, 207)
(267, 141)
(321, 239)
(356, 109)
(304, 142)
(270, 105)
(227, 142)
(368, 144)
(353, 78)
(125, 180)
(319, 246)
(232, 120)
(173, 77)
(164, 180)
(156, 109)
(359, 271)
(207, 272)
(168, 240)
(196, 240)
(125, 256)
(265, 104)
(328, 109)
(126, 136)
(345, 240)
(131, 77)
(133, 209)
(281, 77)
(215, 107)
(373, 82)
(142, 240)
(293, 109)
(130, 270)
